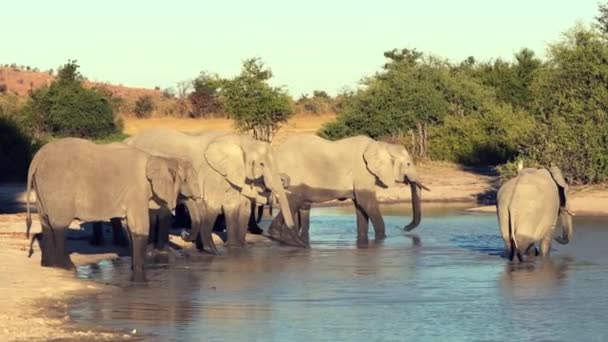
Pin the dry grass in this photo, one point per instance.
(300, 123)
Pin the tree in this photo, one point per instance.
(254, 105)
(67, 108)
(571, 105)
(204, 99)
(602, 18)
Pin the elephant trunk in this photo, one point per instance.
(566, 220)
(416, 209)
(275, 184)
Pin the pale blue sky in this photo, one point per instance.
(309, 44)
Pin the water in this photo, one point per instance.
(447, 283)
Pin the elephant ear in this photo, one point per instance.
(378, 162)
(226, 157)
(158, 172)
(558, 177)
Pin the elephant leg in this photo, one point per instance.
(119, 238)
(153, 230)
(62, 258)
(362, 223)
(276, 225)
(97, 236)
(545, 245)
(368, 202)
(304, 218)
(253, 221)
(237, 217)
(205, 221)
(48, 243)
(162, 230)
(139, 245)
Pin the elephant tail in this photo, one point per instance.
(30, 180)
(514, 247)
(37, 236)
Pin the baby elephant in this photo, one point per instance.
(77, 179)
(528, 206)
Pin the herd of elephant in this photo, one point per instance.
(139, 182)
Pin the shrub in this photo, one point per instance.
(67, 108)
(144, 106)
(3, 88)
(254, 105)
(491, 138)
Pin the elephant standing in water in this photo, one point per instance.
(528, 207)
(322, 170)
(77, 179)
(234, 170)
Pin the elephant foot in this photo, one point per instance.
(138, 276)
(288, 237)
(63, 263)
(380, 236)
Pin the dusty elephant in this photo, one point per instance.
(353, 168)
(234, 170)
(77, 179)
(528, 207)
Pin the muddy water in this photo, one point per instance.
(448, 282)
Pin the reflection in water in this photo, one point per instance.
(534, 278)
(446, 282)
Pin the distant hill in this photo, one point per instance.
(20, 81)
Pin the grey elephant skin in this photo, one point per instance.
(234, 170)
(353, 168)
(528, 208)
(77, 179)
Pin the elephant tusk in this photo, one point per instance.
(571, 213)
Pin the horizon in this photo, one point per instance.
(341, 45)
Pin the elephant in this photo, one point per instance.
(353, 168)
(77, 179)
(528, 207)
(234, 171)
(159, 229)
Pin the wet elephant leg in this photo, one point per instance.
(276, 225)
(304, 218)
(545, 244)
(119, 236)
(368, 202)
(362, 223)
(253, 222)
(244, 214)
(138, 256)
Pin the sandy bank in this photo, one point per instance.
(587, 201)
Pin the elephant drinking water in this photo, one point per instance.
(353, 168)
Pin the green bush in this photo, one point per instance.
(491, 138)
(67, 108)
(144, 106)
(204, 99)
(254, 105)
